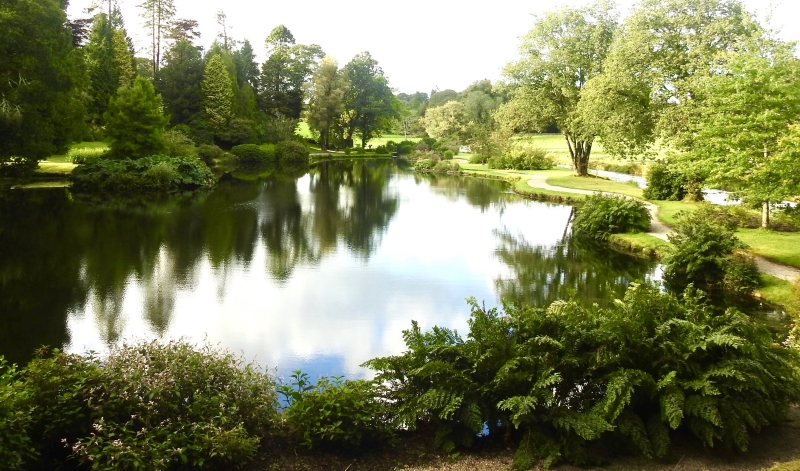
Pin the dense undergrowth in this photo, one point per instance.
(558, 382)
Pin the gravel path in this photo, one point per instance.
(661, 230)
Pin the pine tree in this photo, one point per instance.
(103, 72)
(218, 93)
(158, 15)
(134, 122)
(122, 59)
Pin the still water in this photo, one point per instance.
(319, 272)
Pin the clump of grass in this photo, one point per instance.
(81, 155)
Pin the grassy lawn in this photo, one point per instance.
(595, 184)
(55, 168)
(780, 292)
(667, 210)
(783, 247)
(524, 188)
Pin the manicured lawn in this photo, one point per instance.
(62, 158)
(667, 210)
(640, 242)
(55, 168)
(783, 247)
(522, 185)
(596, 184)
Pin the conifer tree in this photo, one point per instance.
(218, 93)
(134, 122)
(122, 59)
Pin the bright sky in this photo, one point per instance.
(421, 45)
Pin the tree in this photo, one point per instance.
(134, 122)
(183, 29)
(648, 76)
(370, 106)
(158, 15)
(744, 130)
(179, 81)
(284, 73)
(448, 121)
(222, 20)
(122, 59)
(40, 75)
(439, 98)
(563, 51)
(103, 73)
(218, 93)
(325, 99)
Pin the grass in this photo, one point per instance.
(596, 184)
(522, 187)
(639, 243)
(668, 210)
(47, 168)
(783, 247)
(781, 292)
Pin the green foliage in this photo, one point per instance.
(446, 166)
(599, 216)
(423, 165)
(179, 80)
(702, 254)
(518, 158)
(16, 447)
(134, 122)
(162, 406)
(149, 174)
(336, 413)
(251, 154)
(665, 183)
(566, 376)
(447, 155)
(291, 153)
(218, 93)
(208, 153)
(41, 76)
(178, 144)
(81, 155)
(17, 167)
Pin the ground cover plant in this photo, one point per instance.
(562, 378)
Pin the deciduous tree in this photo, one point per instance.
(370, 106)
(325, 99)
(563, 51)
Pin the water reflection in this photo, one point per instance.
(320, 271)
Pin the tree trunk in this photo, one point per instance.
(579, 151)
(765, 214)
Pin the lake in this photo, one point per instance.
(318, 272)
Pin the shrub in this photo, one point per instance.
(478, 159)
(519, 158)
(158, 173)
(251, 154)
(446, 166)
(664, 183)
(405, 147)
(447, 155)
(335, 412)
(17, 167)
(209, 153)
(164, 405)
(566, 376)
(81, 155)
(16, 447)
(629, 168)
(348, 150)
(422, 165)
(381, 149)
(291, 153)
(599, 216)
(702, 254)
(178, 144)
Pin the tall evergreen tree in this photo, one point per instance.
(218, 94)
(103, 71)
(179, 81)
(122, 59)
(134, 121)
(40, 71)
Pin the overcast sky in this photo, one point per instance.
(420, 44)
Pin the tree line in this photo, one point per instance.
(59, 77)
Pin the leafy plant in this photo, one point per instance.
(291, 153)
(16, 447)
(599, 216)
(150, 174)
(563, 377)
(521, 158)
(665, 183)
(446, 166)
(702, 254)
(336, 413)
(178, 144)
(252, 154)
(209, 153)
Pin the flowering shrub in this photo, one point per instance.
(145, 406)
